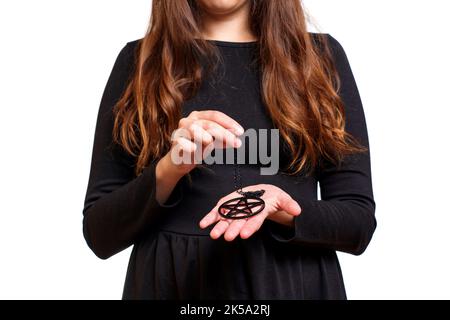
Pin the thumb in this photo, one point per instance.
(286, 203)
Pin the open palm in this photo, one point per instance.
(277, 202)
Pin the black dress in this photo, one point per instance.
(173, 258)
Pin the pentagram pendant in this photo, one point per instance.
(249, 205)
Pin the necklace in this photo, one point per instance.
(248, 205)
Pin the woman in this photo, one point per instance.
(215, 68)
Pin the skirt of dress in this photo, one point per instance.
(169, 265)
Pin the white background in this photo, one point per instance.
(55, 59)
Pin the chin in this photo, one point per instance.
(221, 6)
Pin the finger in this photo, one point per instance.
(183, 151)
(286, 203)
(253, 224)
(234, 229)
(222, 119)
(210, 218)
(185, 122)
(223, 135)
(186, 145)
(219, 229)
(200, 135)
(181, 133)
(207, 150)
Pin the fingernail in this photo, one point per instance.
(239, 130)
(208, 139)
(238, 143)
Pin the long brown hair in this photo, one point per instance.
(299, 83)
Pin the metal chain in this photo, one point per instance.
(237, 176)
(238, 182)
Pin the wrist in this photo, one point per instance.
(283, 218)
(166, 169)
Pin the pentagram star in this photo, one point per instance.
(241, 208)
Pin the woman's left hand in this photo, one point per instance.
(279, 204)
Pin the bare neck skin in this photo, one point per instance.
(227, 23)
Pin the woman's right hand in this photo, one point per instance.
(207, 130)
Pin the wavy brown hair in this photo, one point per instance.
(299, 83)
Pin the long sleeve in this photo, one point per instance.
(344, 218)
(119, 207)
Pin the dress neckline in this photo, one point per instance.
(222, 43)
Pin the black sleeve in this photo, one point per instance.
(118, 206)
(344, 218)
